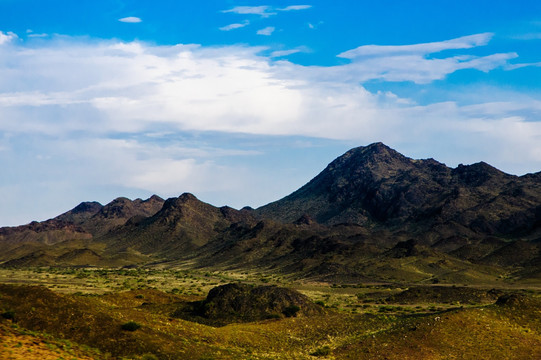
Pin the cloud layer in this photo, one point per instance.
(108, 111)
(108, 86)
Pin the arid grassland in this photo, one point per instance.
(67, 313)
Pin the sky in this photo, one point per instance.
(243, 102)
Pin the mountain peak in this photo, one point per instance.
(378, 147)
(376, 160)
(188, 197)
(87, 206)
(117, 208)
(478, 168)
(183, 205)
(373, 152)
(155, 198)
(478, 174)
(349, 183)
(81, 212)
(182, 200)
(375, 186)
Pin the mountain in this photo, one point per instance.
(181, 226)
(377, 187)
(81, 213)
(372, 214)
(98, 220)
(52, 241)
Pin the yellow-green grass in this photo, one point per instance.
(488, 331)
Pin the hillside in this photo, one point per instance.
(372, 214)
(375, 186)
(68, 238)
(55, 325)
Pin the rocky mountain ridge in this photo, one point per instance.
(363, 216)
(376, 187)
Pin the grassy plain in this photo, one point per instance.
(78, 313)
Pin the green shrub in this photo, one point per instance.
(10, 315)
(131, 326)
(322, 351)
(149, 357)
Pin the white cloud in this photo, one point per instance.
(31, 34)
(465, 42)
(234, 26)
(136, 165)
(413, 63)
(251, 10)
(295, 7)
(280, 53)
(527, 36)
(69, 171)
(7, 37)
(109, 86)
(59, 89)
(38, 35)
(416, 68)
(314, 26)
(266, 31)
(518, 66)
(130, 19)
(264, 10)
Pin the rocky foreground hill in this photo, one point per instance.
(371, 214)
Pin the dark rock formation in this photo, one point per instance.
(245, 303)
(377, 187)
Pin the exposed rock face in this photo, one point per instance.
(454, 294)
(245, 303)
(41, 243)
(86, 220)
(376, 186)
(405, 249)
(48, 232)
(182, 225)
(516, 300)
(119, 211)
(81, 212)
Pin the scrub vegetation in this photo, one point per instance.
(349, 321)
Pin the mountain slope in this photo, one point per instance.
(375, 186)
(182, 225)
(53, 241)
(371, 214)
(120, 210)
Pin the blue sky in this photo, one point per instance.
(242, 102)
